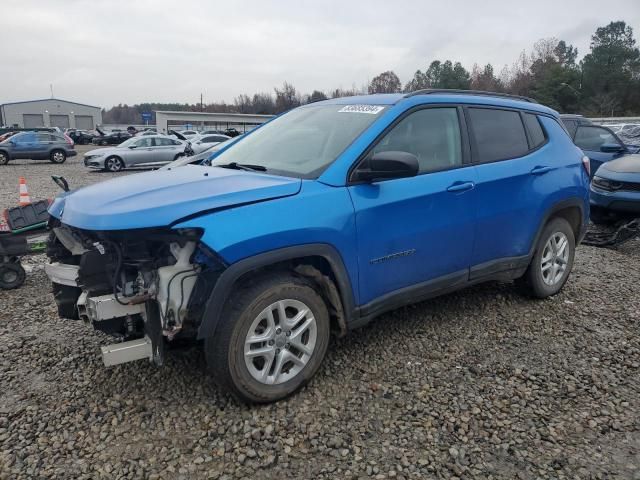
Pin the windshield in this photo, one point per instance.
(303, 142)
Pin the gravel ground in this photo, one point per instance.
(483, 383)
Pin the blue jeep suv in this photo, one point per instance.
(317, 222)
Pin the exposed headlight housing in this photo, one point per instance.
(604, 184)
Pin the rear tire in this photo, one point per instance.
(58, 156)
(114, 164)
(252, 323)
(12, 275)
(4, 158)
(552, 262)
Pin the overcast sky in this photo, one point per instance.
(131, 51)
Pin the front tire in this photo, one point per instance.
(12, 275)
(273, 338)
(57, 156)
(4, 158)
(552, 263)
(114, 164)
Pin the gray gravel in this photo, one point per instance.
(483, 383)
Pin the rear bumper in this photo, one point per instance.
(71, 153)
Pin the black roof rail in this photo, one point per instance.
(428, 91)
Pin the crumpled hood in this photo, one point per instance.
(160, 198)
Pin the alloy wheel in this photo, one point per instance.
(555, 258)
(280, 342)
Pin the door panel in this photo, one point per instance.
(513, 196)
(415, 230)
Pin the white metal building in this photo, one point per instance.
(50, 112)
(200, 120)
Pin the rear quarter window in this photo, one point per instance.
(536, 133)
(498, 134)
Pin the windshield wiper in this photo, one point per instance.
(243, 166)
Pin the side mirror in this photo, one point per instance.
(386, 165)
(611, 148)
(133, 146)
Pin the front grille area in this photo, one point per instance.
(630, 187)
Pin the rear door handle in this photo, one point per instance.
(540, 170)
(461, 187)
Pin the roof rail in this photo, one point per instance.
(428, 91)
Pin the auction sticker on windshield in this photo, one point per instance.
(370, 109)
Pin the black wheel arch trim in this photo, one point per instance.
(557, 207)
(224, 285)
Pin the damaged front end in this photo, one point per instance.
(147, 287)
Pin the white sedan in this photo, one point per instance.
(200, 143)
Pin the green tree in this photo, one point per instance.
(440, 75)
(555, 78)
(386, 82)
(611, 71)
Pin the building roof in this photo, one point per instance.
(50, 99)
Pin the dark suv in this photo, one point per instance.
(36, 146)
(317, 222)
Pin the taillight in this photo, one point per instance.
(68, 139)
(586, 164)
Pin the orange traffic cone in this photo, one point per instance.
(24, 194)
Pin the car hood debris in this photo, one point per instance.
(161, 198)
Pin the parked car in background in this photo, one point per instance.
(600, 144)
(81, 137)
(317, 222)
(148, 151)
(615, 190)
(204, 157)
(113, 138)
(202, 142)
(572, 121)
(42, 145)
(232, 132)
(188, 133)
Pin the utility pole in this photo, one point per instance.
(51, 88)
(201, 105)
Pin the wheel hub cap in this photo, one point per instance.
(555, 258)
(280, 342)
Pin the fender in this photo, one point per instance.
(223, 287)
(569, 202)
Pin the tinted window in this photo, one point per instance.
(26, 137)
(212, 139)
(163, 142)
(432, 135)
(499, 134)
(592, 138)
(536, 134)
(45, 137)
(571, 126)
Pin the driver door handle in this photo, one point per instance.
(461, 187)
(540, 170)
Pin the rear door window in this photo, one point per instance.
(498, 134)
